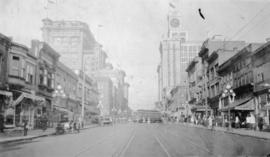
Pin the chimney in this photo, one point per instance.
(267, 39)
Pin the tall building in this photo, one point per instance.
(118, 90)
(71, 39)
(176, 51)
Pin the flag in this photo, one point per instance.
(172, 5)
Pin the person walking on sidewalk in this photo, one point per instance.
(2, 123)
(252, 121)
(248, 125)
(25, 128)
(260, 123)
(210, 122)
(237, 122)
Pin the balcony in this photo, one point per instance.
(16, 80)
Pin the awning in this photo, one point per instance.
(29, 96)
(62, 109)
(6, 93)
(33, 97)
(200, 109)
(248, 106)
(235, 104)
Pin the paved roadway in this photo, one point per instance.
(140, 140)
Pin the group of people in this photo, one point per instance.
(237, 121)
(73, 125)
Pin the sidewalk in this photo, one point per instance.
(242, 132)
(32, 134)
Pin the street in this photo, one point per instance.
(133, 140)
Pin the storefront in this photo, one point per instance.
(5, 107)
(241, 108)
(62, 114)
(26, 107)
(264, 106)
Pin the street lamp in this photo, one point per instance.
(59, 92)
(228, 92)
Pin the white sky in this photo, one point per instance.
(132, 29)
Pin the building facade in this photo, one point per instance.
(261, 66)
(213, 53)
(5, 95)
(47, 59)
(237, 72)
(195, 81)
(105, 86)
(91, 95)
(71, 39)
(118, 90)
(74, 40)
(66, 103)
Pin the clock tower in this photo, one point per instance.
(175, 29)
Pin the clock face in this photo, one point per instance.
(175, 22)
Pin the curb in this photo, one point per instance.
(230, 132)
(25, 138)
(37, 136)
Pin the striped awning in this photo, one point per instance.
(235, 104)
(248, 106)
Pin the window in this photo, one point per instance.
(41, 76)
(217, 88)
(250, 76)
(185, 48)
(49, 80)
(45, 77)
(30, 74)
(15, 70)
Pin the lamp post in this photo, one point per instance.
(59, 93)
(228, 92)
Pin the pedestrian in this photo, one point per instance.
(78, 127)
(25, 128)
(2, 123)
(75, 126)
(252, 121)
(248, 121)
(44, 122)
(237, 122)
(71, 127)
(192, 119)
(210, 122)
(260, 123)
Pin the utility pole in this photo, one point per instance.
(206, 88)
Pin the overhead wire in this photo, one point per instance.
(255, 26)
(248, 23)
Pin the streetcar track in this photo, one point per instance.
(162, 146)
(93, 145)
(125, 147)
(188, 140)
(102, 140)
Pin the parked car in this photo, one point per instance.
(62, 127)
(106, 120)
